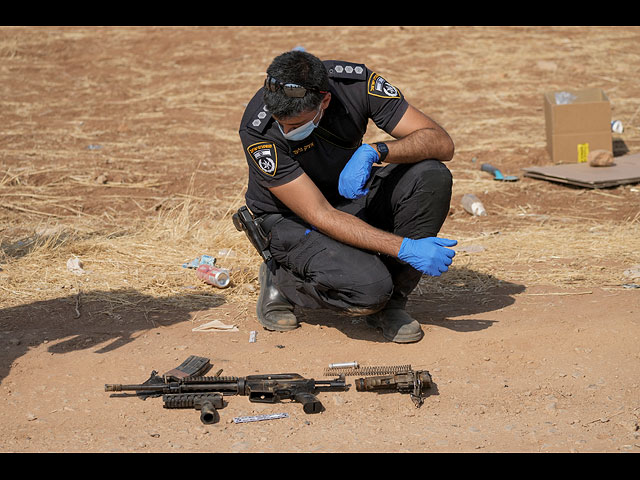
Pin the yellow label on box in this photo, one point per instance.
(583, 152)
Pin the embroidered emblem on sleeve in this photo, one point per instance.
(379, 87)
(265, 156)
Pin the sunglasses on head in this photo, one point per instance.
(290, 89)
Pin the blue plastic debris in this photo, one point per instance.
(201, 260)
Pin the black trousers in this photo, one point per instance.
(315, 271)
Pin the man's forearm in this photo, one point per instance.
(349, 229)
(420, 145)
(305, 200)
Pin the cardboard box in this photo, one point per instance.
(577, 121)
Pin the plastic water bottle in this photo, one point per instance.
(473, 205)
(616, 126)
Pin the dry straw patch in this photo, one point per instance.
(128, 265)
(142, 266)
(572, 256)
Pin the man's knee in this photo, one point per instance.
(433, 176)
(358, 285)
(422, 199)
(365, 299)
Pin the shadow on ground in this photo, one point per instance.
(441, 307)
(116, 318)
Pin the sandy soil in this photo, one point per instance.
(535, 350)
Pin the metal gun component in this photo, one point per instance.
(413, 383)
(292, 386)
(207, 403)
(344, 365)
(366, 371)
(193, 365)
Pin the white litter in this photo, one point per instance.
(259, 418)
(215, 326)
(74, 265)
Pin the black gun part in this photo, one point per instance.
(207, 403)
(413, 382)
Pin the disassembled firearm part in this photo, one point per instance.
(351, 370)
(344, 365)
(413, 383)
(207, 403)
(193, 365)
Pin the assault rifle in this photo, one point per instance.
(205, 392)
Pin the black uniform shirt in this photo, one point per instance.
(357, 95)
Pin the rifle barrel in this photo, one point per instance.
(122, 388)
(176, 387)
(210, 384)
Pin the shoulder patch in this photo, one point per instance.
(346, 70)
(265, 156)
(379, 87)
(259, 120)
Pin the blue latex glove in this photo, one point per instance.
(428, 255)
(356, 172)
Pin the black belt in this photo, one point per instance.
(268, 220)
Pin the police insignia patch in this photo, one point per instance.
(379, 87)
(265, 156)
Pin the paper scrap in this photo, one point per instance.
(259, 418)
(215, 326)
(74, 265)
(471, 249)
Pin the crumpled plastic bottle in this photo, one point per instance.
(473, 205)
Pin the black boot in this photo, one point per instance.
(274, 311)
(396, 324)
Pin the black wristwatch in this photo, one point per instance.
(383, 150)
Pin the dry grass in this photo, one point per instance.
(146, 262)
(575, 255)
(142, 263)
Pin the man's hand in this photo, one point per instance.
(356, 172)
(428, 255)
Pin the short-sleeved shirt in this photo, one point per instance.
(357, 95)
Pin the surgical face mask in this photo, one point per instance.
(303, 131)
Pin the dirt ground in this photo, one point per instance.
(531, 338)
